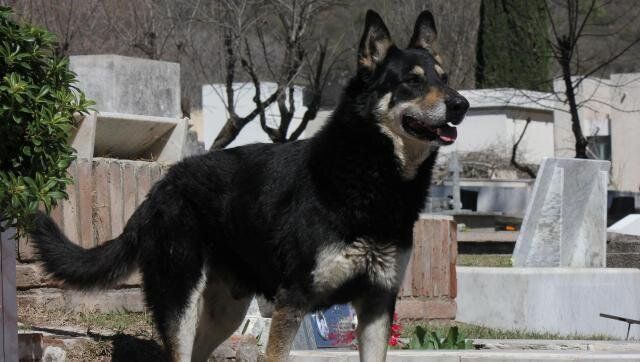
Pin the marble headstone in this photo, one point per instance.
(629, 225)
(566, 220)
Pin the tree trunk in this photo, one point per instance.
(581, 142)
(227, 134)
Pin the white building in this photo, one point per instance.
(496, 118)
(610, 119)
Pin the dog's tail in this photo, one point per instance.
(79, 268)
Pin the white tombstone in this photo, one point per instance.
(566, 221)
(629, 225)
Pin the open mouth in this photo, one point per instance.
(446, 133)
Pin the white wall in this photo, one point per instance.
(610, 107)
(557, 300)
(214, 112)
(495, 121)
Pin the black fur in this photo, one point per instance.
(259, 214)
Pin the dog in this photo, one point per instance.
(306, 224)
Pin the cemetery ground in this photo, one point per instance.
(130, 336)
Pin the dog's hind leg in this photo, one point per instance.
(220, 316)
(174, 281)
(374, 324)
(180, 336)
(285, 322)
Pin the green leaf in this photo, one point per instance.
(434, 340)
(56, 195)
(420, 332)
(451, 340)
(414, 342)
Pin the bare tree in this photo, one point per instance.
(291, 36)
(580, 16)
(73, 21)
(514, 154)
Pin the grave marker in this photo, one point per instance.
(566, 220)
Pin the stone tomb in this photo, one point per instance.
(566, 220)
(129, 85)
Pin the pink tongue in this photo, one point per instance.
(448, 134)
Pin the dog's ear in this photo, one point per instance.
(375, 42)
(424, 32)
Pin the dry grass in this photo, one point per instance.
(485, 260)
(471, 331)
(135, 324)
(135, 338)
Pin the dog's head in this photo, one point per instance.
(412, 95)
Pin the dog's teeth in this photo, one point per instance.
(450, 124)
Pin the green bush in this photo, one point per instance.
(423, 339)
(37, 104)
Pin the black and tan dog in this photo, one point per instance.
(306, 224)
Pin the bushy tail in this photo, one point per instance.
(95, 268)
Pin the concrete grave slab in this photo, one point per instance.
(629, 225)
(468, 355)
(565, 222)
(129, 85)
(564, 301)
(131, 137)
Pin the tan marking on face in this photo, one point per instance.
(417, 70)
(438, 70)
(437, 58)
(410, 151)
(433, 97)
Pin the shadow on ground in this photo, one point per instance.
(132, 349)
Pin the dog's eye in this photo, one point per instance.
(445, 78)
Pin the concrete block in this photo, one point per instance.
(129, 85)
(131, 137)
(84, 135)
(467, 356)
(565, 222)
(431, 308)
(564, 301)
(30, 346)
(54, 354)
(129, 299)
(629, 225)
(26, 252)
(30, 275)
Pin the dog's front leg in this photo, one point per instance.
(285, 322)
(374, 326)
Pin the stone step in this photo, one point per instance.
(31, 275)
(466, 355)
(112, 300)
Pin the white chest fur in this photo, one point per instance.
(382, 264)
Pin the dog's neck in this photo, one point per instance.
(410, 153)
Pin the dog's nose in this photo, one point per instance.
(457, 106)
